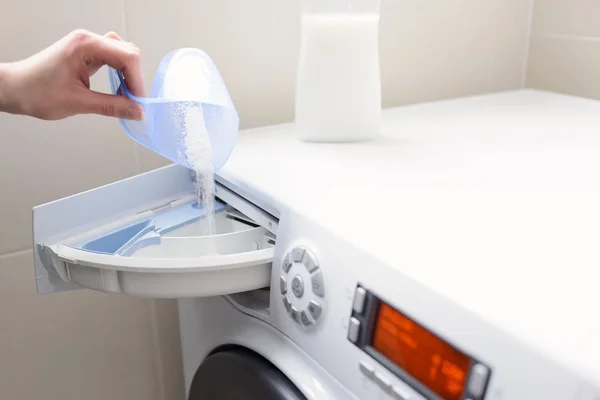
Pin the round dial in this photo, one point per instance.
(302, 287)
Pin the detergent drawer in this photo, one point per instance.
(148, 236)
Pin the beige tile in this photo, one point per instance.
(509, 22)
(149, 160)
(72, 345)
(565, 65)
(431, 50)
(254, 44)
(434, 49)
(567, 17)
(41, 161)
(27, 26)
(169, 348)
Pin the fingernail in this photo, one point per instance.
(135, 113)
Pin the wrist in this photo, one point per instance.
(4, 80)
(4, 87)
(7, 82)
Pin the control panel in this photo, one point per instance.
(302, 287)
(428, 364)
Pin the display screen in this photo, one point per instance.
(430, 360)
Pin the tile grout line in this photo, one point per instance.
(158, 360)
(136, 152)
(566, 36)
(527, 49)
(491, 59)
(157, 349)
(124, 19)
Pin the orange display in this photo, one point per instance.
(430, 360)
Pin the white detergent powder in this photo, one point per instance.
(198, 151)
(183, 82)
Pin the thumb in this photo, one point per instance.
(109, 105)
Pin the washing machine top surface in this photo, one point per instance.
(492, 201)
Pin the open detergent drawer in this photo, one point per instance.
(146, 236)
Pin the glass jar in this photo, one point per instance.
(338, 87)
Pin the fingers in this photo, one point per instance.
(113, 35)
(110, 49)
(94, 67)
(90, 102)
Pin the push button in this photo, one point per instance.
(316, 281)
(283, 285)
(366, 369)
(287, 263)
(295, 314)
(353, 330)
(305, 319)
(309, 262)
(298, 254)
(359, 300)
(400, 394)
(383, 382)
(288, 304)
(298, 286)
(478, 380)
(314, 308)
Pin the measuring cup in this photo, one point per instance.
(186, 79)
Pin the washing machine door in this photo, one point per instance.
(241, 374)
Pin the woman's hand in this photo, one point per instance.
(55, 83)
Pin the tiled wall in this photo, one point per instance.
(87, 345)
(565, 47)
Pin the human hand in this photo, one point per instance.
(55, 83)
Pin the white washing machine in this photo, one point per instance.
(456, 258)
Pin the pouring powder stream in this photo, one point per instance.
(184, 82)
(198, 151)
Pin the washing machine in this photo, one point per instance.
(454, 258)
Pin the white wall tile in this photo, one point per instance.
(254, 45)
(567, 17)
(73, 345)
(565, 65)
(430, 49)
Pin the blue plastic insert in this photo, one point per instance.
(128, 239)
